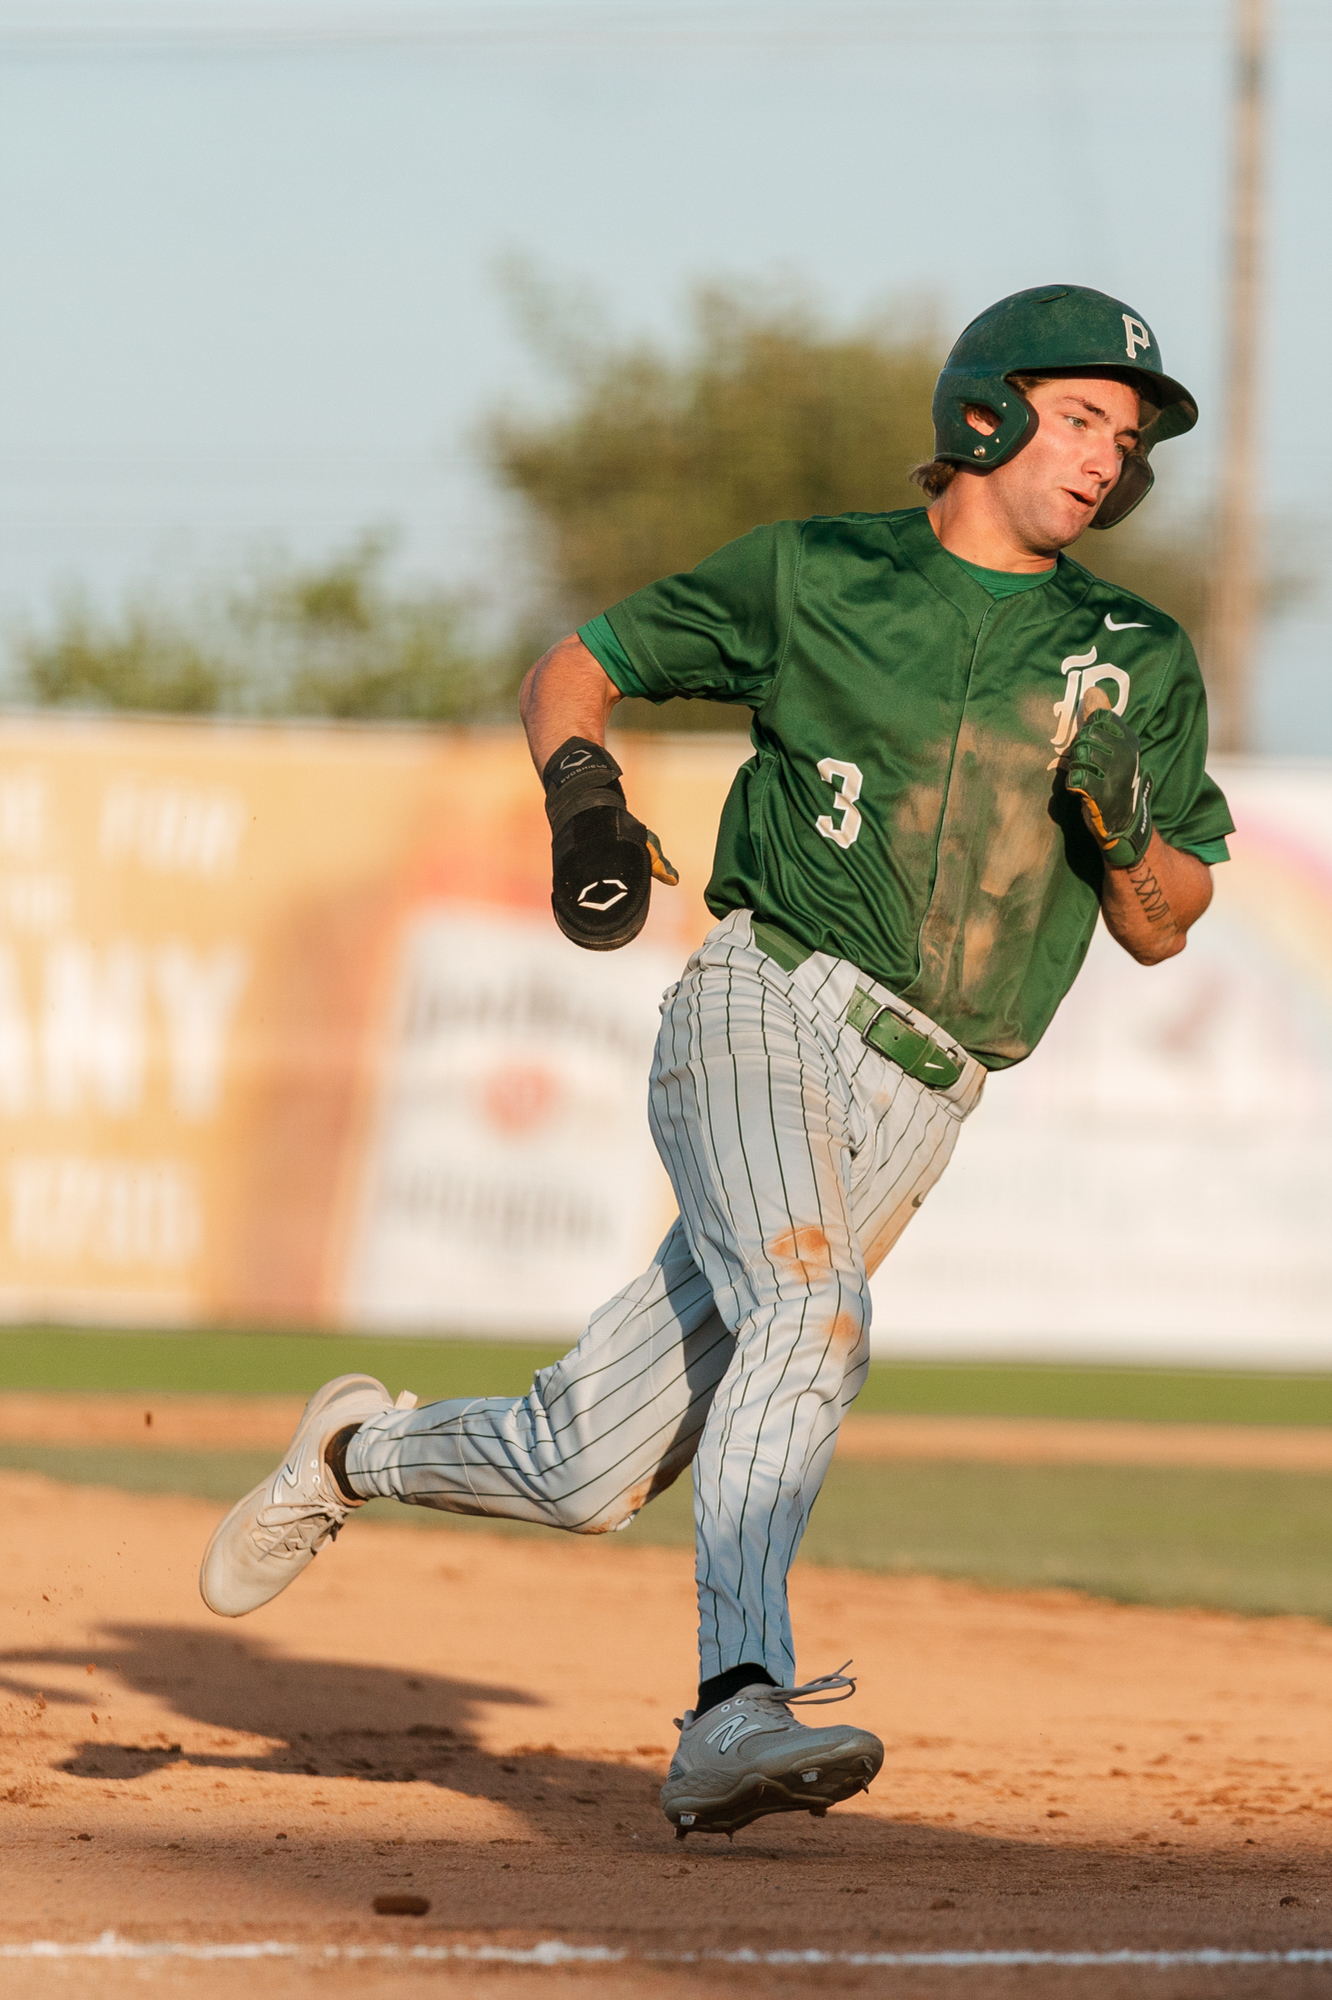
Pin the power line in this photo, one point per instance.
(80, 31)
(302, 461)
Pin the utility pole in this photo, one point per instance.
(1236, 583)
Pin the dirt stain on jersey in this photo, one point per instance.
(878, 1247)
(999, 863)
(626, 1505)
(802, 1254)
(846, 1334)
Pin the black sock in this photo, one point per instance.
(722, 1686)
(335, 1458)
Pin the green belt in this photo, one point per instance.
(779, 944)
(919, 1055)
(878, 1027)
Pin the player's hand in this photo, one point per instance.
(604, 859)
(1104, 768)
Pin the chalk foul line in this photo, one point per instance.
(555, 1952)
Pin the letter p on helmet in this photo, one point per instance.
(1135, 335)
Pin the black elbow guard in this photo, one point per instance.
(602, 866)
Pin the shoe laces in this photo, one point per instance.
(808, 1691)
(290, 1527)
(813, 1691)
(278, 1529)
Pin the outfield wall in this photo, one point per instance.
(287, 1035)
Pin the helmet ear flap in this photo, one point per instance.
(957, 442)
(1134, 483)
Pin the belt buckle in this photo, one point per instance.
(926, 1045)
(878, 1015)
(893, 1015)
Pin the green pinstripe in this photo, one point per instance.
(772, 1119)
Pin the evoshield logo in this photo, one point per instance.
(618, 889)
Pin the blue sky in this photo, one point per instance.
(247, 253)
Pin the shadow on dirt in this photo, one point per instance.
(327, 1719)
(583, 1850)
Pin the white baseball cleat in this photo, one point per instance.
(271, 1535)
(750, 1756)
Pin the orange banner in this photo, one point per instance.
(288, 1036)
(287, 1033)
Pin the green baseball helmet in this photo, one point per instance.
(1064, 329)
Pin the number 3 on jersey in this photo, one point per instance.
(846, 780)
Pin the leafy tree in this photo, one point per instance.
(651, 459)
(332, 640)
(655, 459)
(147, 660)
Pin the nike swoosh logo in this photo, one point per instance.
(1129, 625)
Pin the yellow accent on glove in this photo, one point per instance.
(662, 871)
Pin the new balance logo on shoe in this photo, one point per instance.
(278, 1528)
(721, 1780)
(729, 1733)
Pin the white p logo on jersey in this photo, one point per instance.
(1135, 335)
(1082, 671)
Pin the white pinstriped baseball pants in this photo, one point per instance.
(798, 1156)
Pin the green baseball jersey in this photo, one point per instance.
(904, 808)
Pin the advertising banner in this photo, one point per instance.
(1155, 1182)
(288, 1034)
(288, 1037)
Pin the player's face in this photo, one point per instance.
(1051, 490)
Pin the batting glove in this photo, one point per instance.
(604, 859)
(1105, 770)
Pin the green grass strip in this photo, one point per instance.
(1253, 1542)
(294, 1363)
(250, 1364)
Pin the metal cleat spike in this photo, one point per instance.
(682, 1833)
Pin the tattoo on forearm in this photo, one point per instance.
(1150, 895)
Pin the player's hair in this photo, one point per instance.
(935, 475)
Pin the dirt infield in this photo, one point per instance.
(485, 1723)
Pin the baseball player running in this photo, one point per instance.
(965, 748)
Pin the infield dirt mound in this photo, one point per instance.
(485, 1722)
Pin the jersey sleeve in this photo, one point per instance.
(1188, 807)
(715, 632)
(598, 635)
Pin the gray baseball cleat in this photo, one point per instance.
(750, 1756)
(271, 1535)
